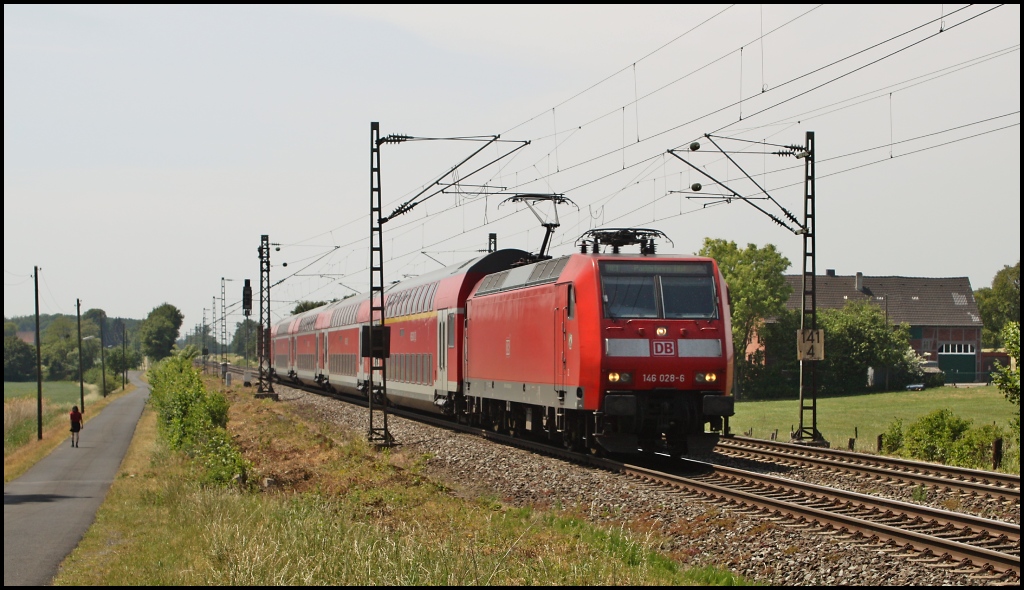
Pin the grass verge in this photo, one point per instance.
(322, 507)
(864, 417)
(22, 447)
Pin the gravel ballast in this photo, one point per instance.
(701, 533)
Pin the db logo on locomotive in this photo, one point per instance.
(663, 348)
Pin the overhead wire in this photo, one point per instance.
(559, 169)
(786, 83)
(852, 168)
(633, 64)
(609, 77)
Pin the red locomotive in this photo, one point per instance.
(615, 352)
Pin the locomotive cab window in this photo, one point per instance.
(677, 290)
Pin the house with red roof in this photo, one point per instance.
(945, 324)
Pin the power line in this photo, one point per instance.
(419, 223)
(820, 176)
(733, 104)
(632, 65)
(869, 64)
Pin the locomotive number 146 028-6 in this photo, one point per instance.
(663, 378)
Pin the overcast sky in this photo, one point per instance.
(147, 148)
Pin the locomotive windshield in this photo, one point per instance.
(669, 290)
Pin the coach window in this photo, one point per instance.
(430, 295)
(415, 297)
(451, 330)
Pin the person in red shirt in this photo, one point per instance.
(76, 425)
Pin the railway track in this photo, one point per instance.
(982, 548)
(986, 550)
(1002, 487)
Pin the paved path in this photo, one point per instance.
(49, 508)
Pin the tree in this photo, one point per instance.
(97, 316)
(159, 331)
(999, 304)
(119, 360)
(307, 305)
(10, 329)
(858, 336)
(772, 371)
(59, 349)
(171, 313)
(757, 288)
(244, 341)
(1007, 379)
(19, 360)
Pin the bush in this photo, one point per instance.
(892, 438)
(193, 421)
(94, 376)
(934, 436)
(974, 448)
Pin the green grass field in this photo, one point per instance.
(864, 417)
(58, 392)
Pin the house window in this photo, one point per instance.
(956, 349)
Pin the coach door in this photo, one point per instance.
(322, 350)
(444, 320)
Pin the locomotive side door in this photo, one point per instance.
(563, 313)
(441, 364)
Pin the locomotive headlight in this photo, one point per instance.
(706, 377)
(625, 377)
(661, 331)
(613, 377)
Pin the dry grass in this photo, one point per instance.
(55, 429)
(338, 513)
(22, 409)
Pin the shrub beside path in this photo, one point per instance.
(49, 508)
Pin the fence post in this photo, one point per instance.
(997, 453)
(879, 443)
(850, 446)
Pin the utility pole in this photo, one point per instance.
(39, 361)
(124, 354)
(103, 359)
(809, 357)
(266, 383)
(376, 341)
(375, 337)
(214, 350)
(223, 328)
(81, 378)
(203, 349)
(810, 345)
